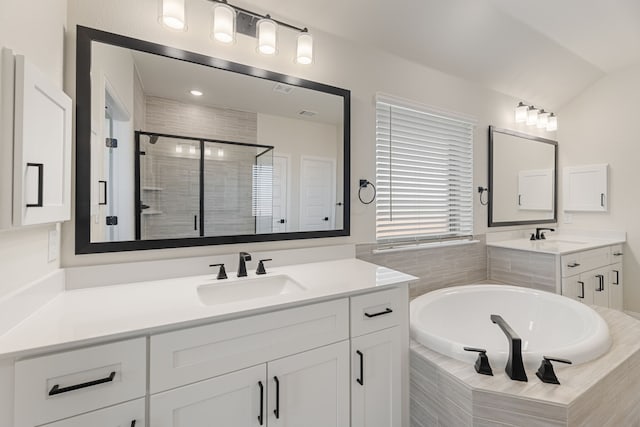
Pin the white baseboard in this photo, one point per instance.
(20, 304)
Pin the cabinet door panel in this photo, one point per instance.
(227, 400)
(597, 282)
(42, 149)
(574, 287)
(616, 289)
(312, 388)
(376, 379)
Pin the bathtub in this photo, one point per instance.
(548, 324)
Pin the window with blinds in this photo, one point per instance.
(424, 173)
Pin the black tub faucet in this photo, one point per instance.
(515, 367)
(242, 264)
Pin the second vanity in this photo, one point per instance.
(586, 268)
(325, 345)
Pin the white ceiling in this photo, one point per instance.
(543, 51)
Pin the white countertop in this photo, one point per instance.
(559, 245)
(87, 316)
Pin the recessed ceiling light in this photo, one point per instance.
(195, 92)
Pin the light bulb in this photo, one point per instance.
(220, 152)
(172, 14)
(521, 113)
(532, 116)
(196, 92)
(267, 36)
(304, 52)
(552, 123)
(178, 148)
(224, 23)
(543, 119)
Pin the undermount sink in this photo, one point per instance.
(247, 289)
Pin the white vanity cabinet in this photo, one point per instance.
(130, 414)
(594, 276)
(36, 148)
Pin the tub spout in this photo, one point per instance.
(515, 367)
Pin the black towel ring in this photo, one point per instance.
(364, 184)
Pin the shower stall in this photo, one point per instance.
(197, 187)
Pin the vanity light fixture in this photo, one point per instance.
(521, 113)
(223, 28)
(304, 50)
(543, 119)
(195, 92)
(172, 14)
(552, 123)
(267, 36)
(532, 116)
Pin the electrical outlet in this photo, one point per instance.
(54, 245)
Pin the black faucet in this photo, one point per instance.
(515, 367)
(242, 265)
(539, 235)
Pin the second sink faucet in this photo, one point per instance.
(242, 264)
(540, 233)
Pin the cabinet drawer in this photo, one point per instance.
(375, 311)
(617, 253)
(195, 354)
(578, 262)
(130, 414)
(61, 385)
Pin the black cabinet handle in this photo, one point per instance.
(195, 222)
(572, 265)
(519, 199)
(57, 390)
(617, 282)
(602, 200)
(104, 200)
(40, 167)
(600, 278)
(582, 287)
(261, 414)
(381, 313)
(618, 254)
(276, 411)
(361, 379)
(133, 423)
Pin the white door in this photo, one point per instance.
(310, 389)
(597, 282)
(130, 414)
(575, 288)
(280, 194)
(237, 399)
(376, 379)
(616, 294)
(42, 149)
(317, 194)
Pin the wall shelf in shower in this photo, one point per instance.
(150, 212)
(152, 188)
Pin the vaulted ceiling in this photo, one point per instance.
(543, 51)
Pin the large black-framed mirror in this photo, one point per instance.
(523, 178)
(177, 149)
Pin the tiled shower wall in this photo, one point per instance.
(437, 267)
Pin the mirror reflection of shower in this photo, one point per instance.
(195, 187)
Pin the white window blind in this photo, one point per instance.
(424, 173)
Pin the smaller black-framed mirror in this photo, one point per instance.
(523, 178)
(178, 149)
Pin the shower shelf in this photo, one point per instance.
(152, 188)
(150, 212)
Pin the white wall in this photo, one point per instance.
(34, 29)
(339, 62)
(601, 126)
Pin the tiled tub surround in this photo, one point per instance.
(601, 393)
(436, 267)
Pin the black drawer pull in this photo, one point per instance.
(40, 167)
(361, 379)
(380, 313)
(57, 390)
(575, 264)
(261, 415)
(618, 254)
(276, 411)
